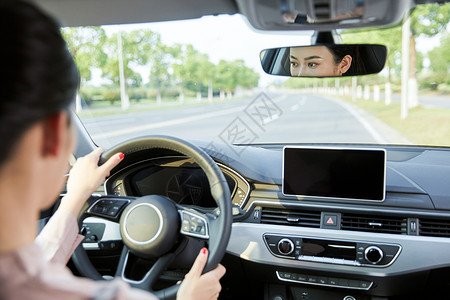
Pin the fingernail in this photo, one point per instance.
(204, 250)
(121, 155)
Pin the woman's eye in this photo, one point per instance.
(294, 64)
(312, 65)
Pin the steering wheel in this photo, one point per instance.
(152, 226)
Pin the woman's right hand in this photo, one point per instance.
(196, 286)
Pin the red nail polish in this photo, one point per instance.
(204, 250)
(121, 155)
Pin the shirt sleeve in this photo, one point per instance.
(59, 238)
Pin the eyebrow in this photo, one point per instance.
(308, 58)
(313, 57)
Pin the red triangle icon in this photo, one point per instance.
(330, 221)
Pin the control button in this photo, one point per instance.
(193, 225)
(285, 246)
(110, 245)
(294, 276)
(107, 207)
(353, 283)
(330, 220)
(373, 254)
(312, 279)
(349, 298)
(333, 281)
(343, 282)
(323, 280)
(364, 284)
(301, 277)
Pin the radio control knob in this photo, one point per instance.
(373, 254)
(285, 246)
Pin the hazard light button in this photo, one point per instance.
(331, 220)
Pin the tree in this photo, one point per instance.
(390, 37)
(230, 75)
(192, 68)
(86, 46)
(440, 56)
(136, 46)
(426, 20)
(160, 62)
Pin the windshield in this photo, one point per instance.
(202, 80)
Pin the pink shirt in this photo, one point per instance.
(38, 271)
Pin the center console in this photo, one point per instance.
(351, 253)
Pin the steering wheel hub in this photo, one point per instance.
(143, 223)
(149, 226)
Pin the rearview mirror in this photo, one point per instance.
(324, 60)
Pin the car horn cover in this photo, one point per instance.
(149, 226)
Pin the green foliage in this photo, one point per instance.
(440, 56)
(429, 19)
(229, 75)
(390, 37)
(86, 46)
(169, 66)
(192, 67)
(136, 48)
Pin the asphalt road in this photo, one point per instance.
(289, 118)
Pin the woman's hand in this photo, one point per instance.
(85, 177)
(196, 286)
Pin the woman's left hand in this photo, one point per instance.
(85, 177)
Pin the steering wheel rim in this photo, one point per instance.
(219, 233)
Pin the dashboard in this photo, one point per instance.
(391, 247)
(178, 178)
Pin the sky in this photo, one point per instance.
(227, 37)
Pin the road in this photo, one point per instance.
(288, 118)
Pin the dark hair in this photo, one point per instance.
(38, 75)
(340, 51)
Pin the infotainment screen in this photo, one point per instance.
(335, 173)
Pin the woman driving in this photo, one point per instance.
(39, 81)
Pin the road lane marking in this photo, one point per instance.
(295, 107)
(173, 122)
(109, 122)
(375, 135)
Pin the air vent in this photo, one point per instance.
(434, 227)
(379, 224)
(291, 217)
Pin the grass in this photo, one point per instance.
(423, 126)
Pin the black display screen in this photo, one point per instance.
(334, 173)
(323, 248)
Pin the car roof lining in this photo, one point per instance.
(110, 12)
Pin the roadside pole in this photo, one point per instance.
(406, 31)
(78, 107)
(124, 101)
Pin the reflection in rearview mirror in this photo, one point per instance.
(324, 60)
